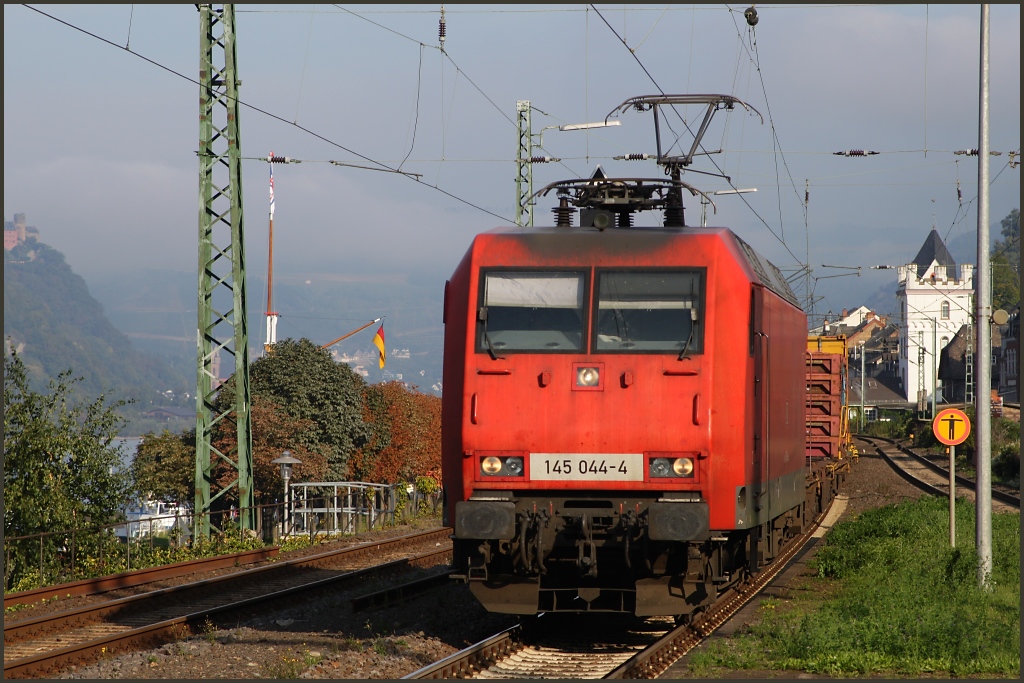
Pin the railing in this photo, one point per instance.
(73, 554)
(348, 507)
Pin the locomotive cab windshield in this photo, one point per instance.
(531, 312)
(638, 311)
(648, 311)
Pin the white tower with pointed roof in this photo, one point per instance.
(934, 295)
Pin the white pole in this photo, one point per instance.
(983, 296)
(935, 353)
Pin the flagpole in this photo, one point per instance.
(271, 315)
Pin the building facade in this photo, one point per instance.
(16, 232)
(935, 297)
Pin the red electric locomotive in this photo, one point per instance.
(624, 407)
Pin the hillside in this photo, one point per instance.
(54, 323)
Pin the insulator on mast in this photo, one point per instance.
(854, 153)
(442, 29)
(974, 153)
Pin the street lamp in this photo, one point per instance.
(286, 461)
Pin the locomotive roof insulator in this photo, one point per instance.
(618, 197)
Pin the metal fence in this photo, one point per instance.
(74, 554)
(342, 507)
(331, 508)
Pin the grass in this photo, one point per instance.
(891, 598)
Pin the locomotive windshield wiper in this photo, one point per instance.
(482, 315)
(686, 346)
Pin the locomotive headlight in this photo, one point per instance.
(513, 467)
(587, 377)
(660, 467)
(683, 467)
(490, 465)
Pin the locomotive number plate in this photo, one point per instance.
(586, 466)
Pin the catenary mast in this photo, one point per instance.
(222, 328)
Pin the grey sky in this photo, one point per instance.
(99, 146)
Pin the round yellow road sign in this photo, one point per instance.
(951, 427)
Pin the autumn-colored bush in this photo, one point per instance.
(405, 443)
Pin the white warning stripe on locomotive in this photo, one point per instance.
(586, 466)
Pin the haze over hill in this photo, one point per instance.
(55, 325)
(157, 310)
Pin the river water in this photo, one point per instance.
(126, 445)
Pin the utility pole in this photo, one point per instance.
(524, 165)
(222, 305)
(863, 347)
(983, 295)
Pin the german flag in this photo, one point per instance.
(378, 341)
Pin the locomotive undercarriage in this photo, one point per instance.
(591, 554)
(595, 553)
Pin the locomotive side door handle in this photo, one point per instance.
(696, 409)
(472, 409)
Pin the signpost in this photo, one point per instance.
(951, 427)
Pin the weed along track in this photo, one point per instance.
(138, 577)
(599, 646)
(45, 645)
(933, 478)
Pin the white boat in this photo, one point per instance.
(153, 518)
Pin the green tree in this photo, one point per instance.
(60, 469)
(1006, 264)
(1005, 283)
(1010, 244)
(164, 466)
(302, 380)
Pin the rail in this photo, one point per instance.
(1001, 496)
(162, 615)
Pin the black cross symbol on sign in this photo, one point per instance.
(953, 420)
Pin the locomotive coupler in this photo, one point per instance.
(535, 523)
(587, 561)
(629, 525)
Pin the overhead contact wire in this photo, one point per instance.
(384, 167)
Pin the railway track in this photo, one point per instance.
(931, 477)
(47, 644)
(543, 649)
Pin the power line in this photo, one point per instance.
(384, 167)
(435, 47)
